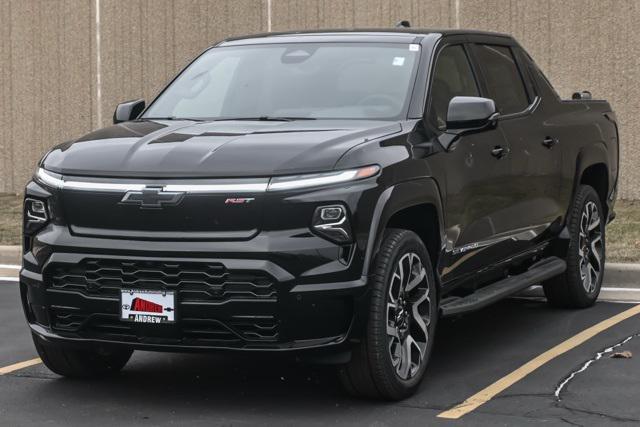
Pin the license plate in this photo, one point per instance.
(144, 306)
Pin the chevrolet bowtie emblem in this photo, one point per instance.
(152, 198)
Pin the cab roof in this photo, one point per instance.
(406, 35)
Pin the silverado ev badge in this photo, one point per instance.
(152, 198)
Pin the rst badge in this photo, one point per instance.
(238, 200)
(145, 306)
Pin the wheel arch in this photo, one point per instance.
(597, 176)
(413, 205)
(593, 170)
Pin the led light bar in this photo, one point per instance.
(242, 185)
(249, 187)
(316, 180)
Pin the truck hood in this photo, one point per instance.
(184, 149)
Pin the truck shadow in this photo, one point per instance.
(470, 353)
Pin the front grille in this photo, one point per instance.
(193, 281)
(215, 305)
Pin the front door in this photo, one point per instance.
(474, 170)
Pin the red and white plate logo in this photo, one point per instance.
(145, 306)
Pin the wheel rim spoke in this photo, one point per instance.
(404, 368)
(593, 278)
(391, 313)
(394, 287)
(417, 317)
(416, 280)
(596, 252)
(587, 284)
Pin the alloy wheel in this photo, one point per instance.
(408, 316)
(590, 247)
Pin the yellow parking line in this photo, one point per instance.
(19, 365)
(503, 383)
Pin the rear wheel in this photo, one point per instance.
(390, 361)
(81, 363)
(579, 286)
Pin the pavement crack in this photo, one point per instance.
(600, 414)
(563, 384)
(508, 396)
(571, 422)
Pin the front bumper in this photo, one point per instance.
(251, 299)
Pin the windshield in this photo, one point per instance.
(301, 80)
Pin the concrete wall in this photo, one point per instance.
(58, 79)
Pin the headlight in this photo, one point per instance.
(36, 214)
(49, 178)
(332, 223)
(316, 180)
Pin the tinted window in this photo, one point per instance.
(538, 75)
(314, 80)
(452, 77)
(526, 71)
(503, 78)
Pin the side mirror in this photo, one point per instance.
(470, 112)
(129, 110)
(584, 95)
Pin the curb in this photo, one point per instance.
(10, 255)
(617, 274)
(622, 275)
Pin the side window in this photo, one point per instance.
(452, 77)
(537, 74)
(527, 72)
(503, 78)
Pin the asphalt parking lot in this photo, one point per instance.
(471, 353)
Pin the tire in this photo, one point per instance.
(579, 286)
(74, 362)
(379, 368)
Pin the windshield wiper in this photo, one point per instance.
(265, 119)
(171, 118)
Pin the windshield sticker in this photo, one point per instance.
(414, 47)
(398, 61)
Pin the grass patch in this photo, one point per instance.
(623, 234)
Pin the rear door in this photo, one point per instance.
(535, 179)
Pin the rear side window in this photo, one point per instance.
(537, 74)
(452, 77)
(503, 78)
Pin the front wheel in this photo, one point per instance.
(391, 359)
(579, 286)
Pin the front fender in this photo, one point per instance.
(423, 191)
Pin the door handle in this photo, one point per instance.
(549, 142)
(498, 152)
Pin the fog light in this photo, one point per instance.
(36, 210)
(332, 213)
(35, 214)
(332, 223)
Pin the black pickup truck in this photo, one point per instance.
(329, 193)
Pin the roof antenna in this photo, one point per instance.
(403, 24)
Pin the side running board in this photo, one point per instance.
(538, 272)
